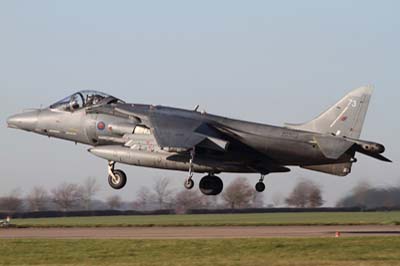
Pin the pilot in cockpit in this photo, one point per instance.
(93, 99)
(74, 103)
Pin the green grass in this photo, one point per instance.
(374, 251)
(355, 218)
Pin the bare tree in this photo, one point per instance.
(114, 202)
(210, 202)
(363, 195)
(163, 192)
(277, 200)
(67, 196)
(12, 202)
(372, 198)
(38, 199)
(187, 199)
(144, 199)
(305, 194)
(315, 198)
(89, 189)
(257, 200)
(298, 197)
(360, 192)
(238, 194)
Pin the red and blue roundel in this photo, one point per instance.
(101, 125)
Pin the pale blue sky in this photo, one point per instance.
(265, 61)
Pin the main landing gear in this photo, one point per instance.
(116, 178)
(209, 185)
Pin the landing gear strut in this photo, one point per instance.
(260, 186)
(116, 178)
(189, 183)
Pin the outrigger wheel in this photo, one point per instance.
(260, 187)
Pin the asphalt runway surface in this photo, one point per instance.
(198, 232)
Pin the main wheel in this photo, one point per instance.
(211, 185)
(118, 181)
(260, 187)
(189, 184)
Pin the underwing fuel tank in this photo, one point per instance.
(153, 159)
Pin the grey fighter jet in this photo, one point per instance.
(198, 142)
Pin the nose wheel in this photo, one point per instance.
(116, 178)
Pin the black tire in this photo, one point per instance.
(211, 185)
(260, 187)
(189, 184)
(120, 179)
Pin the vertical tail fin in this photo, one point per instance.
(345, 118)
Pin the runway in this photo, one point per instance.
(198, 232)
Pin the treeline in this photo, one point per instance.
(367, 197)
(160, 196)
(238, 194)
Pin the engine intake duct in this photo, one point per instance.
(122, 128)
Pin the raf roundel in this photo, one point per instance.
(101, 126)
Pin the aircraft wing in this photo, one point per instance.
(176, 132)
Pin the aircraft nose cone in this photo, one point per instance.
(25, 121)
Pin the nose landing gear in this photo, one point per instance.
(116, 178)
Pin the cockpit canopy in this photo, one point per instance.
(83, 99)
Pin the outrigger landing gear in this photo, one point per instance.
(116, 178)
(260, 186)
(189, 183)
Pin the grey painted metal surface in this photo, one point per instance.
(188, 140)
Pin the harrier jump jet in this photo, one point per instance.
(198, 142)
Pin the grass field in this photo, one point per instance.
(355, 218)
(374, 251)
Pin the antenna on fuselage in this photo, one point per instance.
(196, 108)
